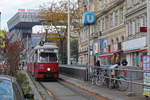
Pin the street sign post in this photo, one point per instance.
(89, 18)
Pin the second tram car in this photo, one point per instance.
(43, 62)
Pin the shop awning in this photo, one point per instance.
(110, 54)
(136, 50)
(130, 51)
(106, 55)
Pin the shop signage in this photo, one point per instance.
(146, 75)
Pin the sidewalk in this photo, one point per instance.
(34, 89)
(111, 94)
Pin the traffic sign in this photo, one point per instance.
(89, 18)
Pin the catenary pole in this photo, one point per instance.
(89, 47)
(68, 43)
(148, 26)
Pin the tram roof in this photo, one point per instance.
(47, 46)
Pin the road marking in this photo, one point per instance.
(86, 91)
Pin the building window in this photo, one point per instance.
(130, 28)
(133, 27)
(103, 24)
(116, 17)
(121, 15)
(111, 20)
(117, 40)
(112, 41)
(122, 38)
(129, 3)
(145, 20)
(137, 24)
(136, 2)
(127, 29)
(106, 22)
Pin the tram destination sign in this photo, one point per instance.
(48, 50)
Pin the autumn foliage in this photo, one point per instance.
(55, 15)
(11, 55)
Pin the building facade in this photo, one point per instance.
(111, 29)
(86, 6)
(116, 35)
(108, 32)
(135, 45)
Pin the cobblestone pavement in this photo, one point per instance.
(111, 94)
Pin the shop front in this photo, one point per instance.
(96, 51)
(113, 54)
(104, 52)
(134, 50)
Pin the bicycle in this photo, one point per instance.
(105, 81)
(97, 76)
(123, 82)
(100, 77)
(119, 80)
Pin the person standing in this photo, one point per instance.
(98, 63)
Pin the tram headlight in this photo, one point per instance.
(48, 69)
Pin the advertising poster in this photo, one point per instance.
(146, 76)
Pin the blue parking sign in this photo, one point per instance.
(88, 18)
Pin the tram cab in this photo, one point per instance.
(45, 61)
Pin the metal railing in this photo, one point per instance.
(133, 77)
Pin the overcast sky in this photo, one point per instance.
(9, 8)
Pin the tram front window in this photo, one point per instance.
(48, 57)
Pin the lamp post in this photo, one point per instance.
(89, 18)
(148, 26)
(68, 43)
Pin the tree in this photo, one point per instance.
(11, 54)
(56, 15)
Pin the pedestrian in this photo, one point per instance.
(124, 62)
(86, 62)
(117, 60)
(98, 63)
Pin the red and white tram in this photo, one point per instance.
(43, 62)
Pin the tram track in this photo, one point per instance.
(50, 93)
(53, 95)
(72, 87)
(75, 89)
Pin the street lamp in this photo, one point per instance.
(68, 43)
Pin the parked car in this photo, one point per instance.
(10, 89)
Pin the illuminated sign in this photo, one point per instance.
(28, 10)
(89, 18)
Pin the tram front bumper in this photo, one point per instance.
(48, 74)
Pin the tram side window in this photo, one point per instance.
(48, 57)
